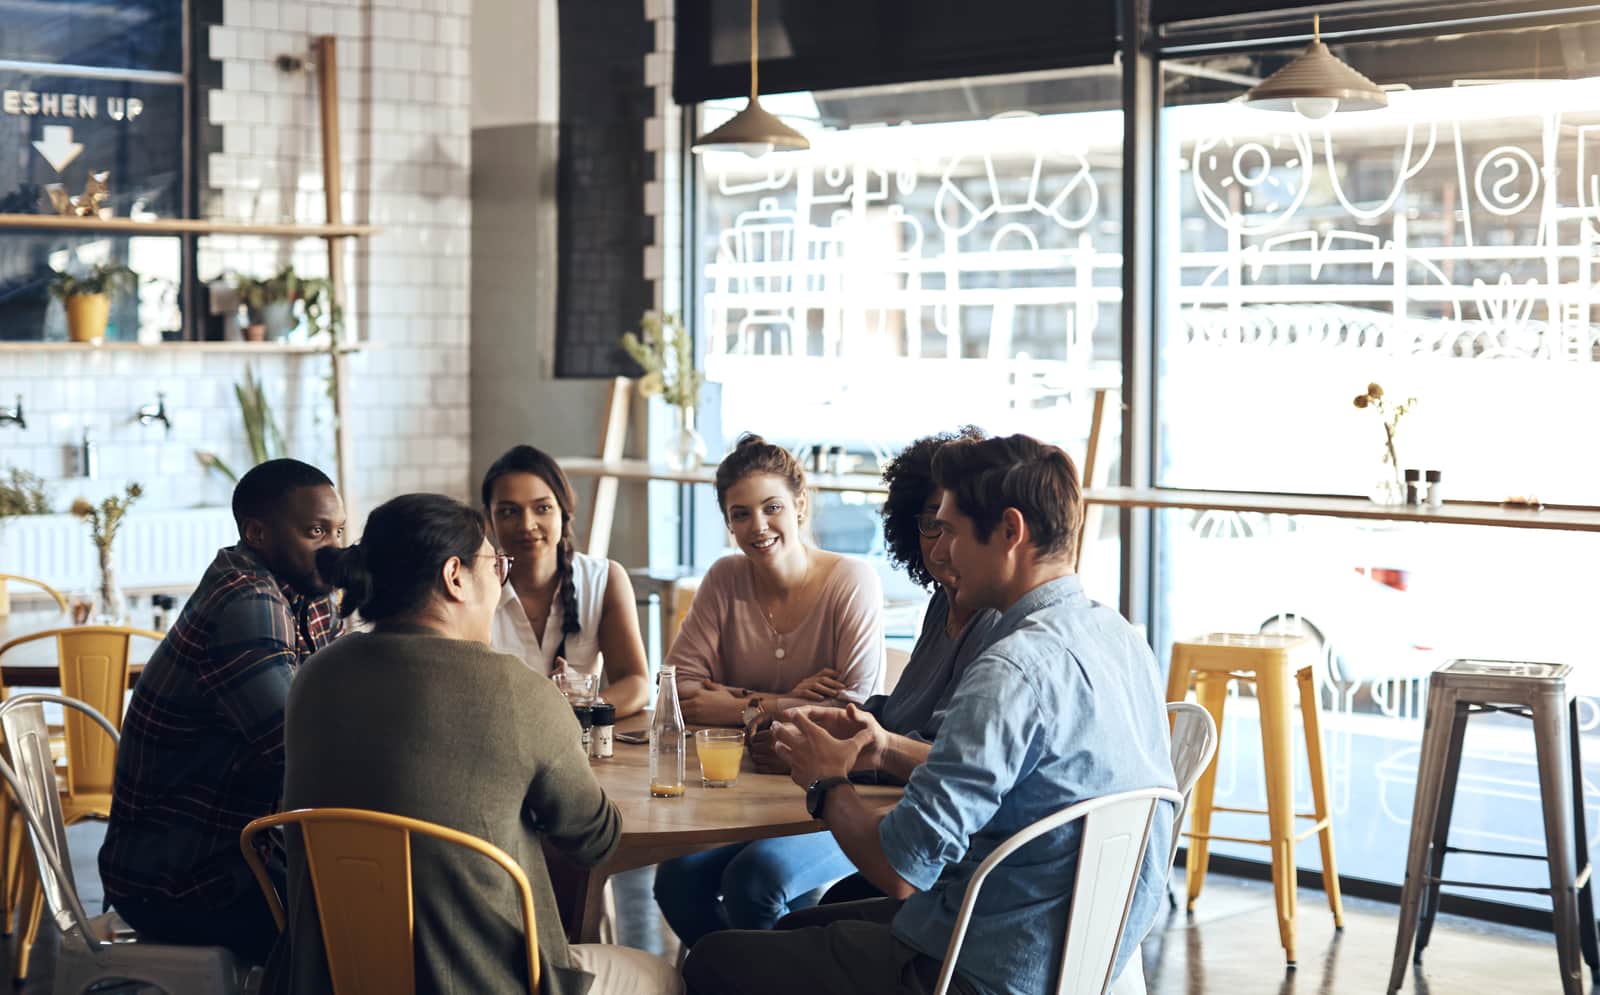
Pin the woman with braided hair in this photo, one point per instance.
(560, 609)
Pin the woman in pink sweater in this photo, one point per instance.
(783, 624)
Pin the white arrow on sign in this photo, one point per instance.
(57, 146)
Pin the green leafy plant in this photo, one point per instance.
(23, 493)
(106, 517)
(104, 278)
(288, 286)
(261, 430)
(666, 352)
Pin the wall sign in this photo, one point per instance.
(60, 129)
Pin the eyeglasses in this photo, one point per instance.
(928, 525)
(502, 565)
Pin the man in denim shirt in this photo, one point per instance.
(1064, 705)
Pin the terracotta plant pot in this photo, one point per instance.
(255, 332)
(87, 315)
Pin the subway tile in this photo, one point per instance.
(264, 14)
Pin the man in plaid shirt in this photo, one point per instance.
(202, 742)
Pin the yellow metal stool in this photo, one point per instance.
(1208, 663)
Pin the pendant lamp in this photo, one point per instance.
(1317, 83)
(753, 131)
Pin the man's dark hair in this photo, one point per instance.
(1020, 472)
(261, 491)
(909, 477)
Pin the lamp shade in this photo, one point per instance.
(753, 131)
(1316, 84)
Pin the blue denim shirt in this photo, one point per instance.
(1064, 705)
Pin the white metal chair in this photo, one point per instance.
(1194, 744)
(1116, 830)
(100, 947)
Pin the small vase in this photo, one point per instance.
(685, 449)
(111, 607)
(1390, 486)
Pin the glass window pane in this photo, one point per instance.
(945, 254)
(128, 34)
(1443, 248)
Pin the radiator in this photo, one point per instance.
(160, 550)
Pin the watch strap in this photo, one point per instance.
(817, 794)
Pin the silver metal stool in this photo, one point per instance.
(1535, 691)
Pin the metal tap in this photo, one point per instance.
(13, 416)
(157, 412)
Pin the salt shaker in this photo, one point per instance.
(1435, 489)
(603, 720)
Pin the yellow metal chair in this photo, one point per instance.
(6, 580)
(93, 668)
(360, 864)
(1266, 660)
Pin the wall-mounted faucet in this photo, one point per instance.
(13, 416)
(157, 412)
(88, 465)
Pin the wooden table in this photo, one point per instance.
(34, 665)
(760, 806)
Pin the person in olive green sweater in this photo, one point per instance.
(421, 718)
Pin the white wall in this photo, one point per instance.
(405, 91)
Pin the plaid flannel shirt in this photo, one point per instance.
(202, 741)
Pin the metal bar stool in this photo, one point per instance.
(1264, 659)
(1535, 691)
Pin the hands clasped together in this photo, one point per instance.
(818, 741)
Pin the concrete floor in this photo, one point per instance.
(1228, 947)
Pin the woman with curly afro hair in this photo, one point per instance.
(951, 637)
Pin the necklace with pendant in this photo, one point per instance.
(781, 652)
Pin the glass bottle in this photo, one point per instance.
(666, 739)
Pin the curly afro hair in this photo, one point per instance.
(909, 477)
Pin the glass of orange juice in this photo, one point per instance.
(720, 751)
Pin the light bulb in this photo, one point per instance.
(1316, 108)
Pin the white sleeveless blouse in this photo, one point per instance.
(513, 634)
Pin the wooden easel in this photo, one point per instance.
(1094, 468)
(613, 436)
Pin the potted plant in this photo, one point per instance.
(261, 429)
(269, 303)
(24, 494)
(88, 298)
(103, 520)
(663, 348)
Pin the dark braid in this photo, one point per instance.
(567, 591)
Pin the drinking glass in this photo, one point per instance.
(720, 751)
(580, 689)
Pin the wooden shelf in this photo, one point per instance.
(252, 348)
(1571, 519)
(180, 226)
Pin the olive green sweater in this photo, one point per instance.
(454, 733)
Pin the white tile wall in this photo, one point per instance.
(405, 141)
(662, 135)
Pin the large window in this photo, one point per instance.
(945, 254)
(92, 92)
(1444, 248)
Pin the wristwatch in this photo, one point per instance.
(817, 794)
(752, 711)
